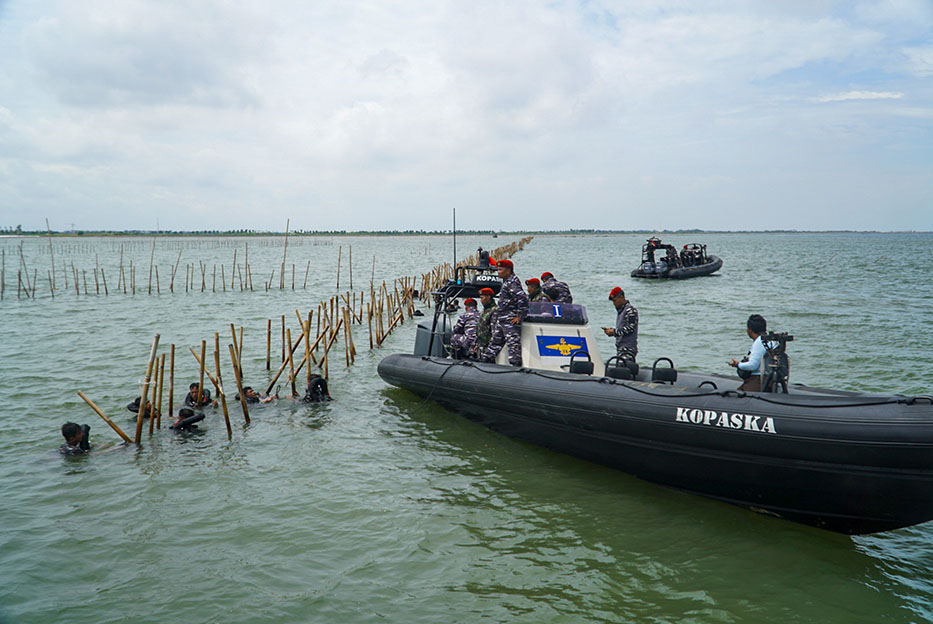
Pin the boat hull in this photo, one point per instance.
(858, 469)
(714, 264)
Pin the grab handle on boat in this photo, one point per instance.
(712, 383)
(922, 397)
(581, 368)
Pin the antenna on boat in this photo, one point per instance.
(455, 243)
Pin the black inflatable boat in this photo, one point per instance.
(843, 461)
(659, 260)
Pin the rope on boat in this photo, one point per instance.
(603, 380)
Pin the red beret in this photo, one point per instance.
(470, 301)
(487, 291)
(546, 275)
(505, 263)
(615, 292)
(492, 262)
(533, 280)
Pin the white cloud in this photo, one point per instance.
(860, 95)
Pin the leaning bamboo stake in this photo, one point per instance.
(239, 385)
(339, 254)
(307, 270)
(106, 420)
(307, 328)
(268, 344)
(291, 364)
(152, 401)
(201, 375)
(223, 395)
(283, 337)
(282, 367)
(233, 338)
(145, 393)
(210, 377)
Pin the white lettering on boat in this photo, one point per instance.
(746, 422)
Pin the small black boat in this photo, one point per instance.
(691, 261)
(848, 462)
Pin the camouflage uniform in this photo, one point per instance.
(626, 331)
(486, 327)
(464, 332)
(513, 301)
(558, 292)
(538, 296)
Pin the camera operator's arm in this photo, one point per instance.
(753, 363)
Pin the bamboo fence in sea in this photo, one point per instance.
(386, 308)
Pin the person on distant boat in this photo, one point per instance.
(76, 439)
(487, 330)
(534, 290)
(558, 292)
(191, 399)
(253, 397)
(626, 329)
(186, 420)
(317, 390)
(513, 306)
(751, 367)
(463, 338)
(134, 407)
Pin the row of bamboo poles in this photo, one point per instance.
(333, 319)
(198, 277)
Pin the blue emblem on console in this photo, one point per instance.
(560, 346)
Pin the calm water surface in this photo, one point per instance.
(381, 507)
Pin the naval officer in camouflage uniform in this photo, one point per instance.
(486, 326)
(513, 306)
(534, 290)
(626, 329)
(464, 333)
(558, 292)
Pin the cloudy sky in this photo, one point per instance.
(521, 115)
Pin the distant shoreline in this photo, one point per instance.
(330, 233)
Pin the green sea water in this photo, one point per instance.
(380, 507)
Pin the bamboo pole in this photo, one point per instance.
(339, 254)
(201, 375)
(239, 351)
(307, 270)
(268, 344)
(51, 254)
(223, 395)
(145, 393)
(103, 278)
(284, 256)
(171, 285)
(161, 385)
(282, 367)
(210, 377)
(233, 269)
(152, 402)
(112, 424)
(171, 382)
(239, 385)
(283, 338)
(235, 350)
(151, 258)
(291, 364)
(307, 328)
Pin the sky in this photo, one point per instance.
(521, 115)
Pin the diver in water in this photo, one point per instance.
(186, 420)
(191, 399)
(76, 439)
(134, 407)
(317, 390)
(254, 397)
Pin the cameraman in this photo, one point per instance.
(752, 365)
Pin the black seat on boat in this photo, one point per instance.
(581, 367)
(623, 368)
(663, 375)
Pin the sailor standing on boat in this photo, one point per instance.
(463, 338)
(558, 292)
(626, 329)
(486, 326)
(513, 306)
(534, 290)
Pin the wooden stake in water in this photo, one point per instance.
(339, 255)
(223, 395)
(268, 344)
(201, 376)
(161, 385)
(291, 364)
(171, 381)
(113, 425)
(284, 255)
(51, 254)
(239, 384)
(145, 393)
